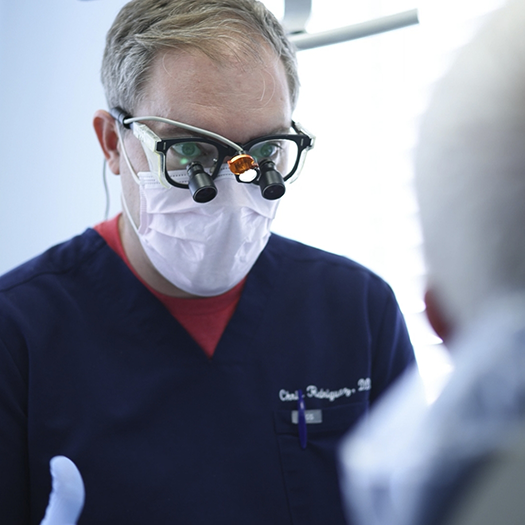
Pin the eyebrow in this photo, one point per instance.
(170, 131)
(280, 131)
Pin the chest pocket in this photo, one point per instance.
(310, 474)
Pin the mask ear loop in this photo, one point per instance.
(135, 177)
(126, 210)
(106, 189)
(126, 158)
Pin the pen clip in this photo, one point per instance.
(301, 419)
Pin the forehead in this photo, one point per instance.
(236, 98)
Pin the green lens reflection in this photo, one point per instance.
(266, 150)
(188, 152)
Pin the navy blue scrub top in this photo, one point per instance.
(93, 367)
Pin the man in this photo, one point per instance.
(194, 368)
(461, 460)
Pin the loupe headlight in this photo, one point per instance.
(244, 166)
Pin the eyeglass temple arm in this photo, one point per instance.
(303, 131)
(120, 116)
(149, 141)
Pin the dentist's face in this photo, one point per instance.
(239, 101)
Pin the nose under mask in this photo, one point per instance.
(203, 249)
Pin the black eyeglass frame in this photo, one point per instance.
(225, 147)
(301, 138)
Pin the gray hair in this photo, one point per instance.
(470, 171)
(218, 28)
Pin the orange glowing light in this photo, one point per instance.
(241, 163)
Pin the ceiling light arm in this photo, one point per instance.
(303, 40)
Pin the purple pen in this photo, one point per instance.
(301, 419)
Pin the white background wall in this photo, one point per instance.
(51, 175)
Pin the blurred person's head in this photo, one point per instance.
(470, 175)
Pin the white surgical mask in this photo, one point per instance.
(203, 249)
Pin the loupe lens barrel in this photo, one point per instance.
(201, 185)
(271, 182)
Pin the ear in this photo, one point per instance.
(437, 319)
(106, 129)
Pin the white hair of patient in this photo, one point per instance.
(470, 171)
